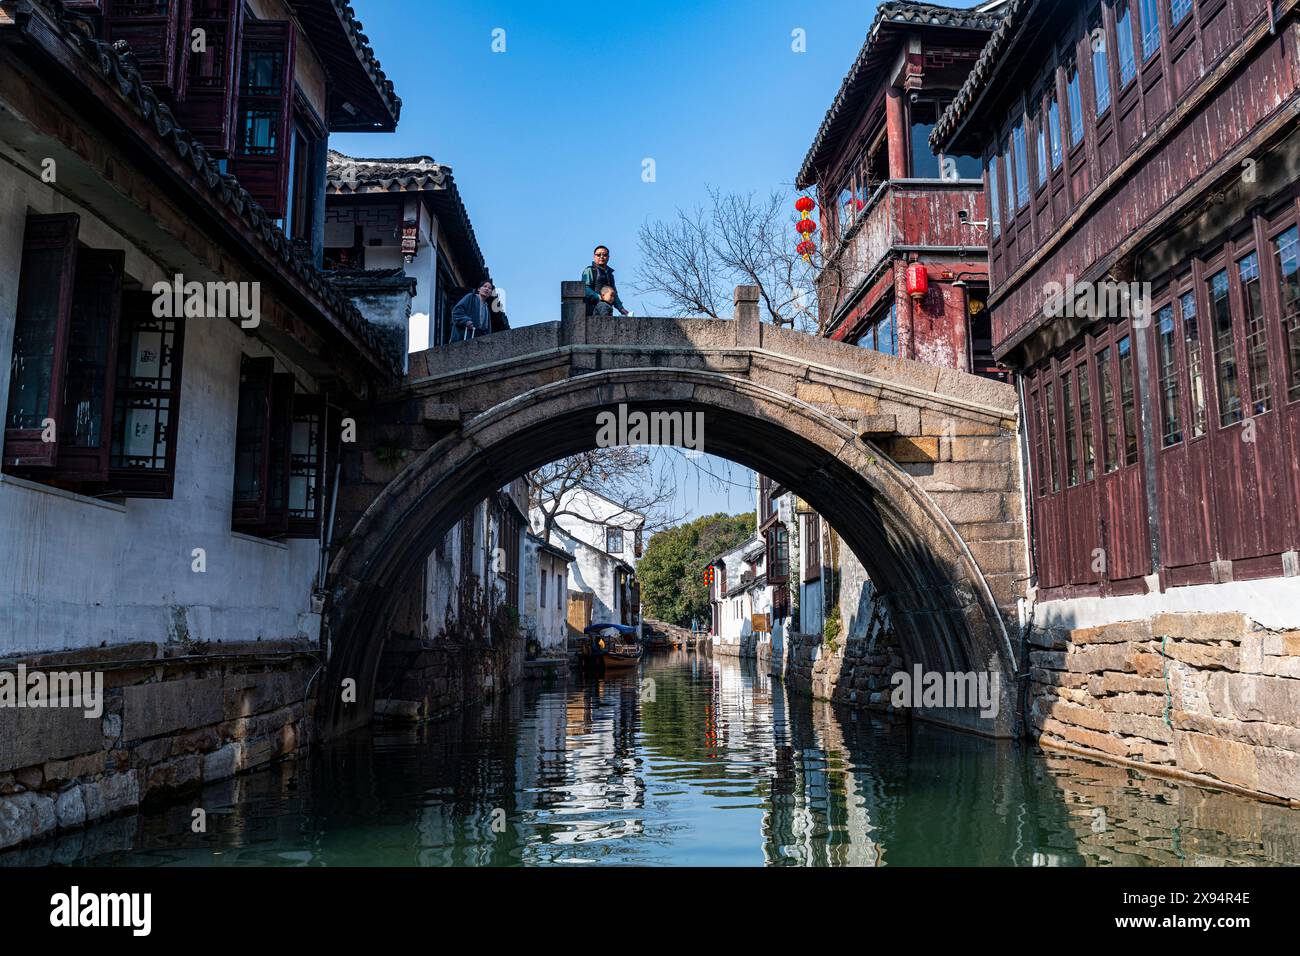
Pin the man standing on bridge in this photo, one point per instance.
(472, 315)
(598, 275)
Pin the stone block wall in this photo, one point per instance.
(855, 672)
(1211, 696)
(174, 718)
(421, 679)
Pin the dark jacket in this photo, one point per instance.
(595, 278)
(470, 312)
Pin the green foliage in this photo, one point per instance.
(672, 569)
(831, 629)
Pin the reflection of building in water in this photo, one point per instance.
(821, 798)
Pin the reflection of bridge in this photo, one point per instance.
(915, 466)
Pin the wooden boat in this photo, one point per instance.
(612, 646)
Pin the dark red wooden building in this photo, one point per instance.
(1153, 144)
(889, 202)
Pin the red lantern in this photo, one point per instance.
(806, 248)
(805, 226)
(918, 281)
(805, 204)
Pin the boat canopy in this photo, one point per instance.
(624, 629)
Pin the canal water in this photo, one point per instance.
(685, 761)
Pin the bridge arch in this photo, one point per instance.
(951, 598)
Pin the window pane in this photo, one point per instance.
(142, 401)
(1022, 165)
(1067, 418)
(1035, 416)
(1195, 374)
(1261, 389)
(1127, 403)
(1109, 435)
(1076, 106)
(1225, 355)
(32, 364)
(262, 71)
(1052, 453)
(1124, 37)
(1150, 28)
(847, 207)
(1287, 247)
(1054, 123)
(1085, 420)
(1040, 128)
(95, 298)
(1179, 9)
(1170, 412)
(259, 132)
(995, 201)
(1100, 68)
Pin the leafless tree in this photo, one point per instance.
(694, 262)
(626, 476)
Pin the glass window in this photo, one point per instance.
(1100, 66)
(1109, 435)
(1195, 374)
(1170, 412)
(1052, 451)
(544, 588)
(1040, 136)
(1225, 355)
(1124, 37)
(882, 336)
(1022, 165)
(925, 165)
(1128, 405)
(1067, 417)
(1008, 169)
(1178, 9)
(995, 201)
(1054, 126)
(1261, 388)
(1035, 416)
(1085, 421)
(1075, 99)
(1150, 14)
(1287, 248)
(846, 208)
(614, 540)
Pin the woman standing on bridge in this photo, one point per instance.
(598, 275)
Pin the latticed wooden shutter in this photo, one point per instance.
(264, 113)
(278, 451)
(146, 400)
(307, 460)
(208, 107)
(157, 32)
(45, 287)
(253, 442)
(85, 420)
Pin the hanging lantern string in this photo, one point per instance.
(805, 226)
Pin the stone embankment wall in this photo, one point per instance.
(855, 672)
(422, 679)
(175, 717)
(1213, 697)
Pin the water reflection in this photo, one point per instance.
(687, 761)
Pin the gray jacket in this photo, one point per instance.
(472, 311)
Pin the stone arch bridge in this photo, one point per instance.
(916, 467)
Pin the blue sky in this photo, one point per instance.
(547, 140)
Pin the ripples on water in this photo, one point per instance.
(705, 763)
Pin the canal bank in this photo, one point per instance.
(689, 760)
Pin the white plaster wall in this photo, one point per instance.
(75, 572)
(1272, 602)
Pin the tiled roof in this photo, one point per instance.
(352, 175)
(1016, 14)
(316, 22)
(119, 69)
(873, 55)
